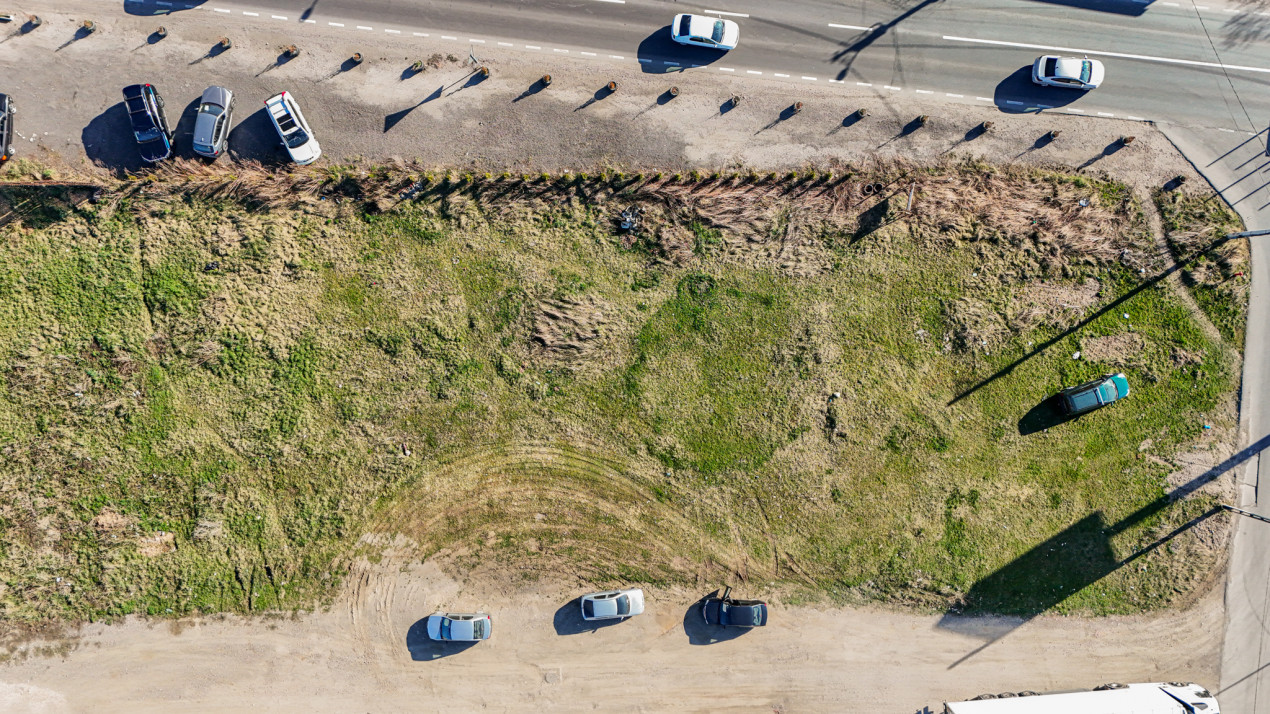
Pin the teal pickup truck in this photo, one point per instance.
(1091, 395)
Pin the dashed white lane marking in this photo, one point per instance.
(363, 27)
(726, 69)
(752, 71)
(532, 47)
(810, 79)
(310, 22)
(984, 99)
(556, 49)
(419, 34)
(217, 9)
(505, 44)
(1078, 111)
(923, 91)
(950, 94)
(778, 74)
(619, 2)
(896, 89)
(1230, 131)
(1133, 118)
(447, 37)
(864, 84)
(1147, 58)
(1105, 114)
(479, 42)
(720, 12)
(278, 17)
(335, 24)
(251, 14)
(849, 27)
(616, 57)
(835, 81)
(588, 54)
(393, 32)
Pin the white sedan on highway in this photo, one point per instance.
(1069, 72)
(705, 31)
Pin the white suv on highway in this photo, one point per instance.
(293, 129)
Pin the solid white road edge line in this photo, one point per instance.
(1101, 53)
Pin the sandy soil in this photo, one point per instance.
(367, 652)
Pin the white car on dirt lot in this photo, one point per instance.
(292, 128)
(1069, 72)
(704, 31)
(613, 604)
(460, 627)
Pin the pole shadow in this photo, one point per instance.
(658, 54)
(786, 114)
(1006, 370)
(906, 130)
(531, 90)
(424, 649)
(473, 79)
(395, 118)
(80, 34)
(600, 95)
(1107, 150)
(278, 61)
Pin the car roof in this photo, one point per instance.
(701, 25)
(1069, 67)
(216, 95)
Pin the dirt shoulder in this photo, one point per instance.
(367, 653)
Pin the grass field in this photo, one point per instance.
(207, 401)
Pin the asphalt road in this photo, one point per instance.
(1200, 67)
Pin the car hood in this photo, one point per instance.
(731, 33)
(434, 627)
(1122, 384)
(1096, 72)
(216, 95)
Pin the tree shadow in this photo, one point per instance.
(568, 620)
(424, 649)
(395, 118)
(1068, 562)
(700, 633)
(600, 95)
(1107, 150)
(1119, 7)
(108, 141)
(256, 139)
(658, 54)
(866, 39)
(158, 7)
(1150, 282)
(1047, 414)
(1244, 28)
(1018, 94)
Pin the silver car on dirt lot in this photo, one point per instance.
(213, 122)
(613, 604)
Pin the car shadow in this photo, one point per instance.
(1018, 94)
(658, 54)
(1043, 416)
(157, 7)
(109, 143)
(1119, 7)
(568, 620)
(424, 649)
(183, 131)
(255, 139)
(699, 633)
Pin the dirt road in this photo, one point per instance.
(368, 653)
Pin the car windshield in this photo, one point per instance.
(445, 628)
(1109, 392)
(148, 135)
(684, 24)
(1051, 66)
(588, 608)
(478, 629)
(623, 605)
(297, 138)
(718, 31)
(213, 109)
(1086, 69)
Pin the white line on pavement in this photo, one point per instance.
(393, 32)
(811, 79)
(619, 2)
(1133, 118)
(752, 71)
(335, 24)
(419, 34)
(311, 22)
(1105, 114)
(251, 14)
(984, 99)
(726, 69)
(559, 50)
(504, 44)
(479, 42)
(532, 47)
(278, 17)
(1147, 58)
(849, 27)
(923, 91)
(447, 37)
(733, 14)
(616, 57)
(950, 94)
(1079, 111)
(217, 9)
(363, 27)
(898, 89)
(589, 54)
(864, 84)
(778, 74)
(835, 81)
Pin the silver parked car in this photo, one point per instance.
(613, 604)
(213, 122)
(460, 627)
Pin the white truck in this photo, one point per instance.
(1153, 698)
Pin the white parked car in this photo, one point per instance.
(293, 129)
(613, 604)
(705, 31)
(459, 627)
(1070, 72)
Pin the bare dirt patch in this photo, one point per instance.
(1119, 350)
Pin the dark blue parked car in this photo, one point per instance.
(149, 123)
(726, 611)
